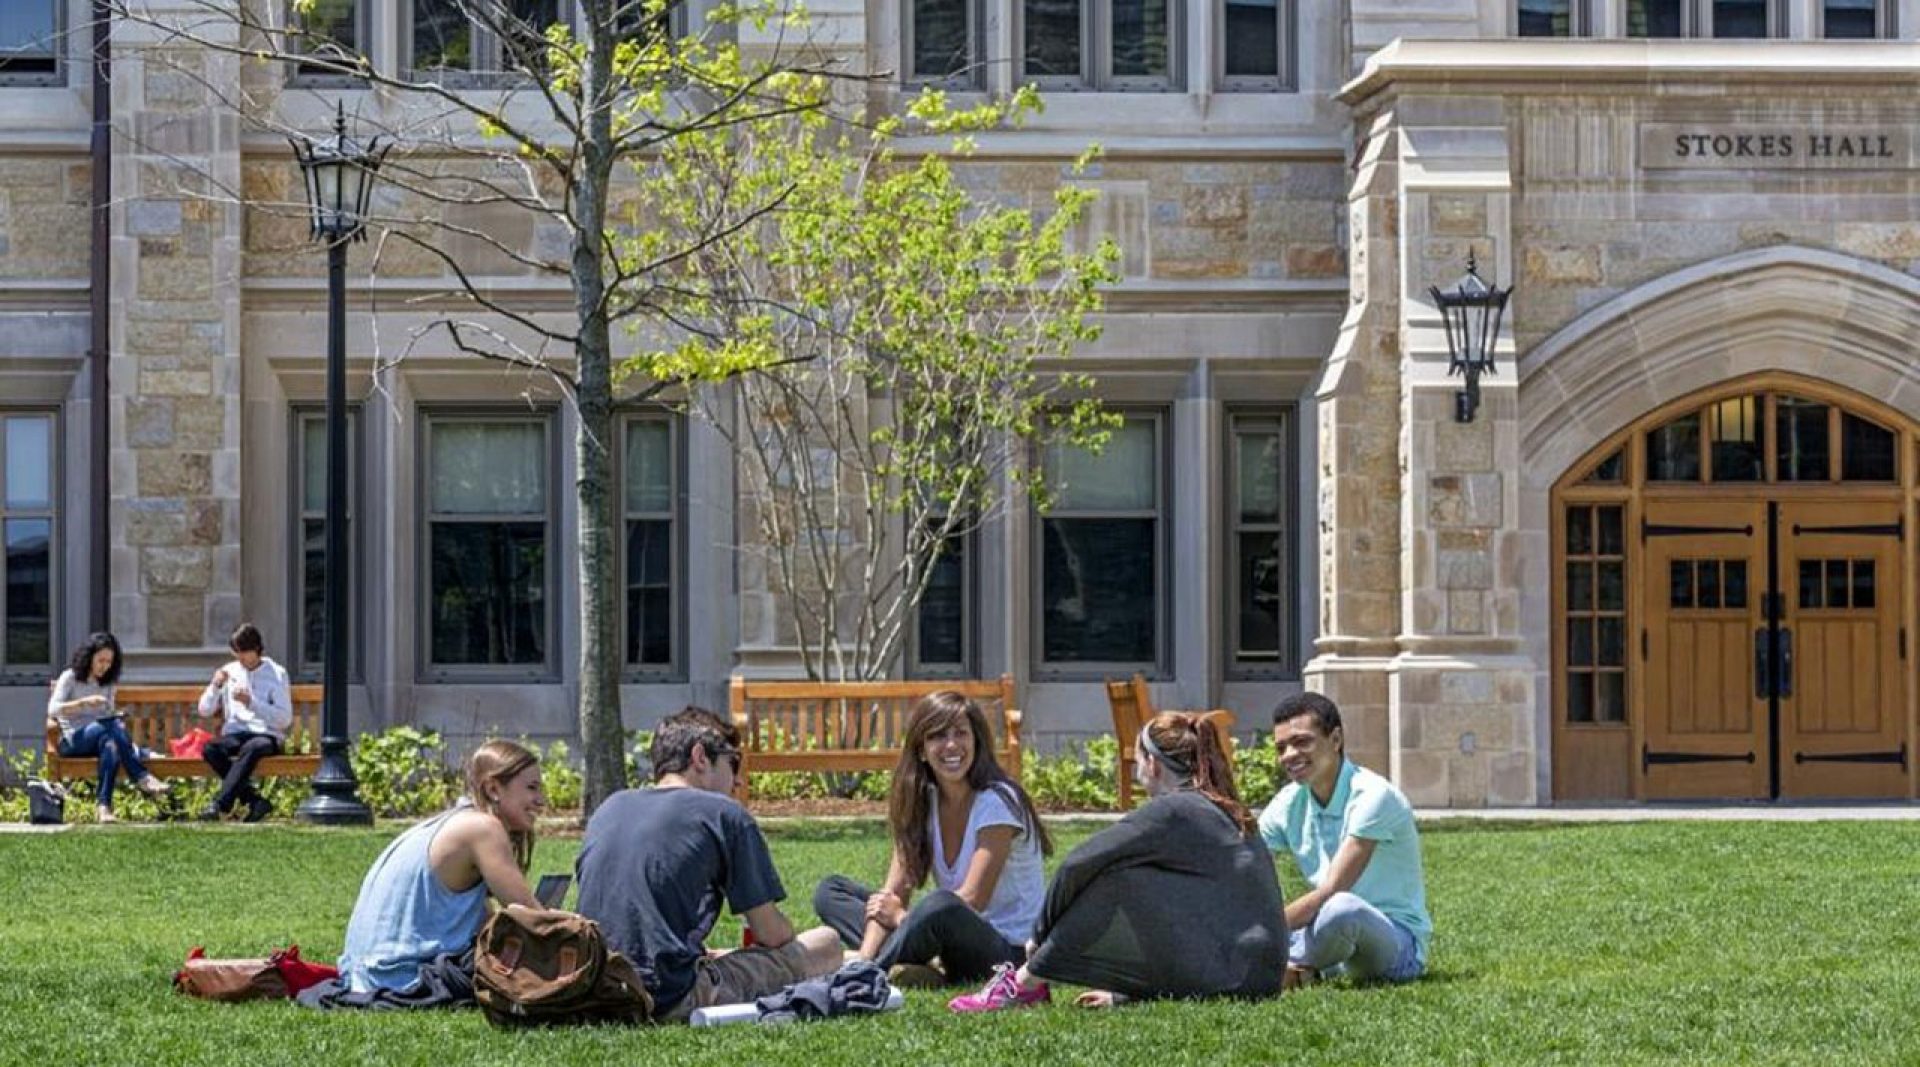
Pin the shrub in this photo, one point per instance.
(1256, 771)
(1080, 777)
(403, 772)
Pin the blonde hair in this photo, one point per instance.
(499, 762)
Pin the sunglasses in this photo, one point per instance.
(731, 755)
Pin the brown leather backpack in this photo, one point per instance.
(540, 967)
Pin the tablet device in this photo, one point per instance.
(552, 889)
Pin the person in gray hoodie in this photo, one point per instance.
(256, 699)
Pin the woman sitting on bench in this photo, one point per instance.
(410, 940)
(82, 707)
(1178, 899)
(955, 816)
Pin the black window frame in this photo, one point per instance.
(36, 673)
(546, 416)
(48, 68)
(1287, 666)
(1096, 53)
(1160, 668)
(299, 668)
(675, 670)
(968, 666)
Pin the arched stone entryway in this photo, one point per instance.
(1793, 323)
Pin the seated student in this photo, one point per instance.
(253, 694)
(1353, 836)
(1178, 899)
(957, 817)
(81, 705)
(410, 940)
(656, 863)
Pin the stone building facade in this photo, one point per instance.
(1715, 247)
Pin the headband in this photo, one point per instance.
(1174, 765)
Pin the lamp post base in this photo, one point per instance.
(335, 800)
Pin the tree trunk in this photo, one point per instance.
(602, 733)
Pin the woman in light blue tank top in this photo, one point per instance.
(426, 896)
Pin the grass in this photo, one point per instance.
(1674, 943)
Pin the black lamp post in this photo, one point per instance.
(1472, 312)
(339, 174)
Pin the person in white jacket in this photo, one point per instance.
(253, 694)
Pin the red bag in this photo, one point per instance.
(299, 973)
(190, 746)
(278, 977)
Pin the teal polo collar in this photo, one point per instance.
(1342, 790)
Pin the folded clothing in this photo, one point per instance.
(857, 988)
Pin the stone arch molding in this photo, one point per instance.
(1821, 314)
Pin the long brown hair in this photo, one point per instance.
(499, 762)
(1190, 748)
(908, 801)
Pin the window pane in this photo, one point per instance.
(29, 449)
(1809, 583)
(940, 39)
(1097, 590)
(442, 36)
(1052, 38)
(1253, 38)
(29, 570)
(1610, 704)
(1863, 586)
(1836, 583)
(1579, 531)
(1680, 584)
(1613, 642)
(489, 593)
(1738, 440)
(1612, 536)
(1740, 18)
(1580, 642)
(1803, 446)
(1673, 451)
(525, 44)
(940, 628)
(1706, 577)
(1654, 18)
(1866, 451)
(650, 592)
(1579, 586)
(1140, 41)
(649, 471)
(313, 593)
(313, 464)
(1546, 18)
(1261, 602)
(328, 28)
(1119, 478)
(1260, 470)
(1612, 587)
(1580, 697)
(27, 28)
(1735, 583)
(1850, 19)
(1610, 469)
(482, 468)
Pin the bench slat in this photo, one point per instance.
(155, 714)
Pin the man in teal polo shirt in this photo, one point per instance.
(1352, 834)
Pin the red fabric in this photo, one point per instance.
(299, 973)
(190, 746)
(194, 953)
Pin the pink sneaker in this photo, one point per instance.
(1002, 991)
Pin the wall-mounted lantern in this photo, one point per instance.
(1471, 310)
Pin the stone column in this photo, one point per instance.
(175, 350)
(1461, 691)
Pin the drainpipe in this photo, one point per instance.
(100, 602)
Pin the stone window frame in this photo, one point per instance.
(1096, 53)
(1287, 667)
(968, 665)
(297, 664)
(48, 68)
(675, 669)
(546, 416)
(1284, 80)
(36, 672)
(1160, 668)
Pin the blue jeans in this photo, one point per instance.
(1350, 936)
(106, 738)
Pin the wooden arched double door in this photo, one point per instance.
(1732, 621)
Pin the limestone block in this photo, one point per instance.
(1466, 612)
(175, 619)
(1422, 776)
(153, 218)
(1510, 780)
(1897, 242)
(174, 474)
(1214, 205)
(150, 422)
(175, 383)
(176, 569)
(200, 421)
(177, 279)
(1466, 447)
(1466, 687)
(1464, 499)
(1467, 781)
(1315, 261)
(1457, 214)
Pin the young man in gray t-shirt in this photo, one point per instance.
(657, 863)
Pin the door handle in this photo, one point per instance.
(1762, 673)
(1786, 662)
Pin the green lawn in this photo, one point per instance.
(1681, 943)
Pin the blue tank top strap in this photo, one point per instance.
(406, 916)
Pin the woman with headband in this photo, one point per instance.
(1178, 899)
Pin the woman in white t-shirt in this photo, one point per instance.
(958, 818)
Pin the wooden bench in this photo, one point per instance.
(154, 714)
(1132, 707)
(851, 726)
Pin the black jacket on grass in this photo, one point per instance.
(1171, 901)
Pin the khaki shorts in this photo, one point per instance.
(742, 975)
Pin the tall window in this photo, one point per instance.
(942, 636)
(310, 563)
(943, 42)
(1102, 605)
(1100, 44)
(489, 527)
(1727, 19)
(1255, 44)
(1260, 546)
(26, 542)
(1657, 18)
(29, 41)
(1550, 18)
(650, 473)
(332, 31)
(445, 40)
(1856, 19)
